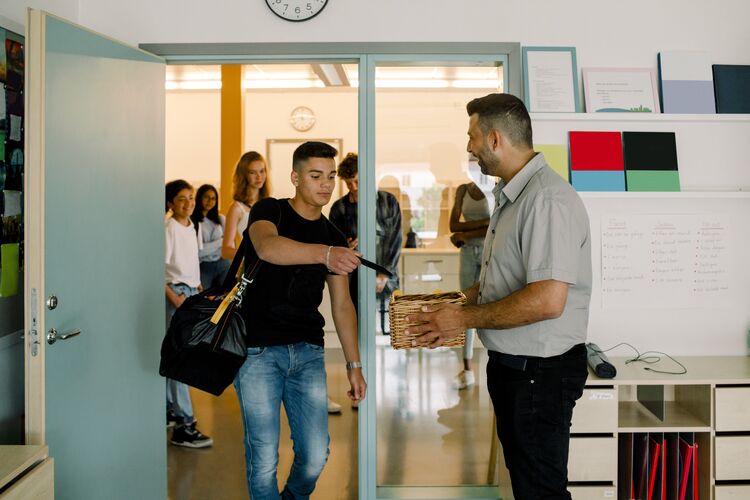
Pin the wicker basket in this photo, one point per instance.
(403, 305)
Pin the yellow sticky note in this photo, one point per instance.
(557, 158)
(8, 269)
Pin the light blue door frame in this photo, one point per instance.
(368, 56)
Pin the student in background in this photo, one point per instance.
(183, 279)
(301, 252)
(210, 223)
(388, 233)
(468, 235)
(250, 185)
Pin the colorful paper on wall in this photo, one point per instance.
(649, 150)
(653, 180)
(598, 180)
(9, 267)
(596, 151)
(732, 88)
(686, 82)
(556, 156)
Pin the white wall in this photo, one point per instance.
(605, 33)
(15, 10)
(193, 136)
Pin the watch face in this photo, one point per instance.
(296, 10)
(302, 118)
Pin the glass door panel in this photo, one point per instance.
(429, 432)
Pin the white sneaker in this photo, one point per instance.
(464, 379)
(333, 406)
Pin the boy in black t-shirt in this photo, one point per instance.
(301, 251)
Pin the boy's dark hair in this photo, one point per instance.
(213, 214)
(504, 112)
(173, 188)
(312, 149)
(348, 166)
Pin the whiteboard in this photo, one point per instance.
(676, 326)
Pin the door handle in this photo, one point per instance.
(52, 335)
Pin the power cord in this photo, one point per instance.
(648, 357)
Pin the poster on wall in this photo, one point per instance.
(550, 79)
(11, 162)
(608, 90)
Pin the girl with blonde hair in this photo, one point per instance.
(250, 185)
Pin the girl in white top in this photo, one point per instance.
(183, 279)
(250, 185)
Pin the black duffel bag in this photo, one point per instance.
(204, 346)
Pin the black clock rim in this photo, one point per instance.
(325, 3)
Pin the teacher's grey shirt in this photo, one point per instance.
(539, 230)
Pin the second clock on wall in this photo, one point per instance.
(296, 10)
(302, 118)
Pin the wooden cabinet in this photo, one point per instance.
(710, 404)
(426, 270)
(26, 472)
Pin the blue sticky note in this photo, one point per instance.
(598, 180)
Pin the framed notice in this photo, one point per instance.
(620, 90)
(550, 76)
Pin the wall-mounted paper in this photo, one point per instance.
(9, 269)
(12, 203)
(15, 128)
(665, 261)
(620, 90)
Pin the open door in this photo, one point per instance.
(95, 255)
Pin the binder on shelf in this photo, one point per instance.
(640, 465)
(671, 439)
(687, 449)
(686, 82)
(625, 485)
(656, 484)
(730, 88)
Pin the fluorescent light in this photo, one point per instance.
(282, 84)
(193, 85)
(476, 84)
(412, 84)
(332, 75)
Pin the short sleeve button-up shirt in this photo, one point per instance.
(539, 230)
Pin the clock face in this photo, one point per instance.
(296, 10)
(302, 118)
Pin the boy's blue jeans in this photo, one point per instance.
(178, 395)
(295, 375)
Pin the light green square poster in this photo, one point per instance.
(557, 158)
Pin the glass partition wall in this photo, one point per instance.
(429, 432)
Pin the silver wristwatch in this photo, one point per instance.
(350, 365)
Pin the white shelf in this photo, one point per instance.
(639, 117)
(681, 194)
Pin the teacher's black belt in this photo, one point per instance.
(521, 363)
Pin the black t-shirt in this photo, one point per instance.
(281, 306)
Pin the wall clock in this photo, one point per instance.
(296, 10)
(302, 118)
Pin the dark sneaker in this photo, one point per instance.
(190, 437)
(171, 419)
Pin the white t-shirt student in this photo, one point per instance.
(182, 245)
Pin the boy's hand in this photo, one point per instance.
(357, 384)
(342, 260)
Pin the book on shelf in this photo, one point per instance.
(686, 82)
(731, 88)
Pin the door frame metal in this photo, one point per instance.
(367, 56)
